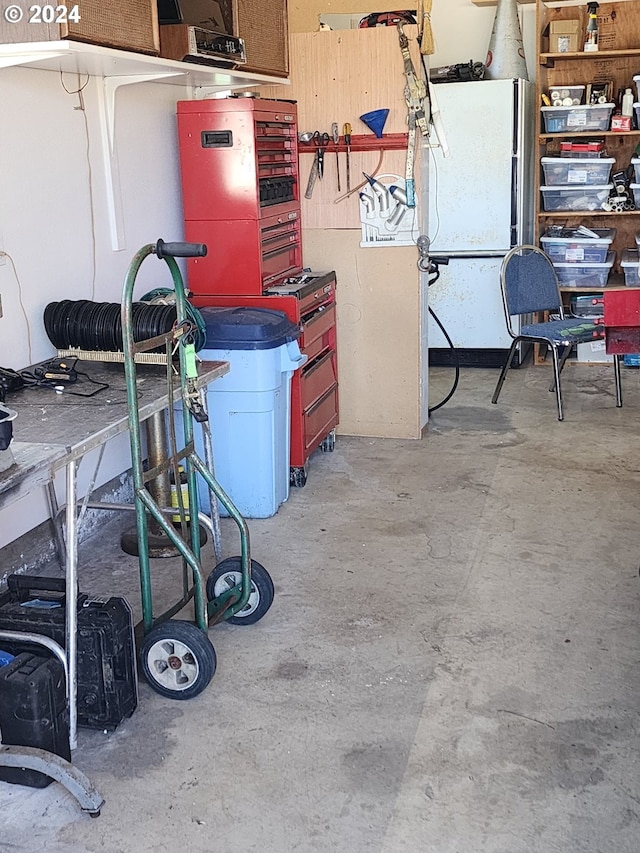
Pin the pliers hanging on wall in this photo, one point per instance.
(321, 141)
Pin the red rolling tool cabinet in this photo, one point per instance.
(314, 388)
(239, 164)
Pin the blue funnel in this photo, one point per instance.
(375, 121)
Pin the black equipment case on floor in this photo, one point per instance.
(107, 676)
(33, 712)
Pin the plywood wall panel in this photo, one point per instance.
(338, 76)
(378, 333)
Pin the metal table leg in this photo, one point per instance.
(71, 600)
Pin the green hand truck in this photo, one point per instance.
(176, 656)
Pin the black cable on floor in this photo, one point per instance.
(456, 364)
(431, 266)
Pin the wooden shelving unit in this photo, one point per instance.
(618, 61)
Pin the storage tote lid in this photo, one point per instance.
(570, 162)
(603, 236)
(577, 107)
(247, 328)
(576, 188)
(572, 265)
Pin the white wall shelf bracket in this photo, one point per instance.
(222, 91)
(13, 59)
(116, 68)
(107, 89)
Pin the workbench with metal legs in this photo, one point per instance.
(85, 424)
(39, 759)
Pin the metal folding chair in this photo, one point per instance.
(529, 286)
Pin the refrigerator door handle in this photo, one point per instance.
(464, 256)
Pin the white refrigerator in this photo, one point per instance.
(480, 206)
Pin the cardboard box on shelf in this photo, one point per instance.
(564, 36)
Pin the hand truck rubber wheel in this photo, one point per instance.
(228, 574)
(178, 659)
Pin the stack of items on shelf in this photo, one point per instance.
(581, 256)
(590, 306)
(591, 107)
(591, 187)
(630, 257)
(578, 179)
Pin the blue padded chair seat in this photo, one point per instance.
(551, 330)
(529, 285)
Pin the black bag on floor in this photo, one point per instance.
(33, 712)
(107, 675)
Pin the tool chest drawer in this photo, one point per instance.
(320, 418)
(276, 190)
(279, 235)
(317, 378)
(276, 148)
(317, 329)
(280, 262)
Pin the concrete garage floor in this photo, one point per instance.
(451, 663)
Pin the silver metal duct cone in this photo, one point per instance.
(505, 57)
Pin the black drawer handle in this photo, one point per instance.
(312, 366)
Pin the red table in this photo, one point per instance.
(622, 320)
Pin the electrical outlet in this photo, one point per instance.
(3, 259)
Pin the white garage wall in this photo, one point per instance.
(47, 194)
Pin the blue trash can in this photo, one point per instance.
(250, 407)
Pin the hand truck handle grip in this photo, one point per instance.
(180, 250)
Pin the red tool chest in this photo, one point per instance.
(314, 388)
(239, 165)
(622, 321)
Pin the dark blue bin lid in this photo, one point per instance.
(247, 328)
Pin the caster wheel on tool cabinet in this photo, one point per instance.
(329, 442)
(298, 476)
(228, 574)
(178, 659)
